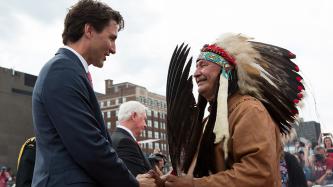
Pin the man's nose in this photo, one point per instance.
(197, 73)
(112, 49)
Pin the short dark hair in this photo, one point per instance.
(96, 13)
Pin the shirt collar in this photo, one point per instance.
(83, 61)
(127, 130)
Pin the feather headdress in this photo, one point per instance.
(263, 71)
(267, 73)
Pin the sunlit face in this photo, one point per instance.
(102, 44)
(140, 123)
(207, 76)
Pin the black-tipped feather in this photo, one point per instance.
(182, 118)
(279, 100)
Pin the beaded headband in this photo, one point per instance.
(217, 55)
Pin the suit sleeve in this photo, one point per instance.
(129, 152)
(254, 144)
(67, 102)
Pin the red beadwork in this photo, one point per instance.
(299, 88)
(297, 68)
(218, 50)
(298, 78)
(296, 101)
(294, 112)
(300, 96)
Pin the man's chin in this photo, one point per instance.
(99, 65)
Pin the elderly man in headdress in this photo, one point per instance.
(252, 90)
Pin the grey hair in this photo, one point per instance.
(126, 109)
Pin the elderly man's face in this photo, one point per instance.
(140, 123)
(207, 76)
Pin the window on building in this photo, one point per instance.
(29, 80)
(150, 145)
(108, 103)
(117, 102)
(156, 124)
(150, 134)
(109, 125)
(155, 114)
(117, 123)
(157, 145)
(156, 135)
(148, 113)
(108, 114)
(149, 123)
(124, 99)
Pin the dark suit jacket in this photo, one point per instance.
(130, 152)
(73, 145)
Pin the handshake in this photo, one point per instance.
(153, 179)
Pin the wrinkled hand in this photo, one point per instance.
(146, 180)
(159, 181)
(180, 181)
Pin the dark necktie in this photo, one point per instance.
(89, 78)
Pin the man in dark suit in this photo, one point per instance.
(73, 145)
(132, 121)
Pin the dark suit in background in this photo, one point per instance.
(130, 152)
(73, 145)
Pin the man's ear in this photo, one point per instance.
(88, 30)
(134, 115)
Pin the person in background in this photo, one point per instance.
(26, 163)
(329, 152)
(328, 143)
(321, 175)
(292, 174)
(132, 121)
(4, 177)
(158, 160)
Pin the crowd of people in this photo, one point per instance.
(316, 161)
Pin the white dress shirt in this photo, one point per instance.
(83, 61)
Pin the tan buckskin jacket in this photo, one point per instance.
(254, 148)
